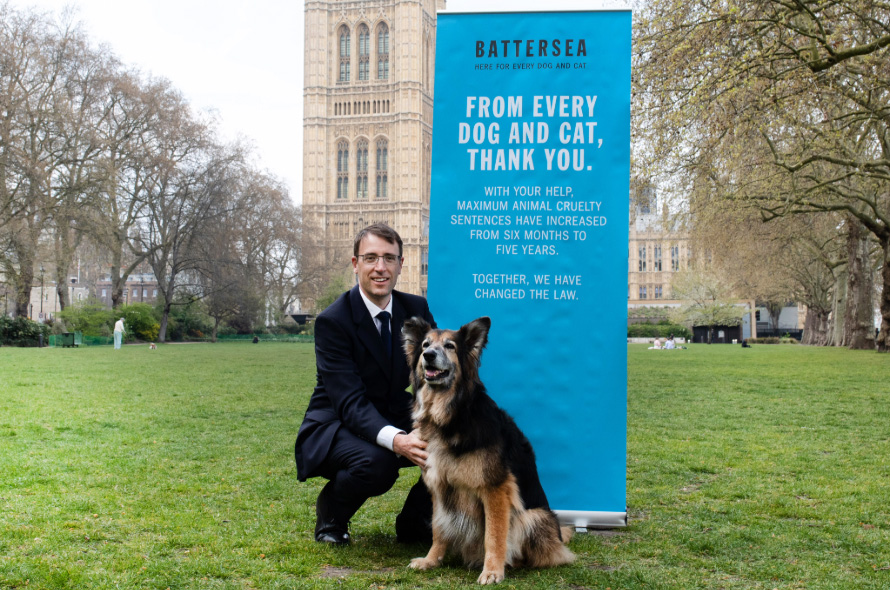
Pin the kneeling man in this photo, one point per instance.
(357, 429)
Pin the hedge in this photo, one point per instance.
(20, 331)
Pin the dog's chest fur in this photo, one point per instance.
(447, 468)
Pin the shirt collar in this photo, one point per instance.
(372, 307)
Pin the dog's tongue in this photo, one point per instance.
(430, 374)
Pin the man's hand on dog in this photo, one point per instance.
(411, 447)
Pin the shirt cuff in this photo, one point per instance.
(386, 436)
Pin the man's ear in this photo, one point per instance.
(475, 336)
(413, 332)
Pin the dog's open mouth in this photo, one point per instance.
(435, 374)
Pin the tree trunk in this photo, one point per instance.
(838, 310)
(815, 330)
(215, 329)
(23, 293)
(162, 332)
(62, 293)
(774, 308)
(858, 320)
(883, 340)
(117, 284)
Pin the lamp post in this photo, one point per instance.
(141, 289)
(41, 291)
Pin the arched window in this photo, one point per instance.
(364, 53)
(342, 170)
(345, 43)
(361, 170)
(383, 52)
(382, 168)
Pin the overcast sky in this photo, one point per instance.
(242, 59)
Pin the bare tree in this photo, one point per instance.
(781, 104)
(29, 77)
(76, 113)
(707, 300)
(187, 203)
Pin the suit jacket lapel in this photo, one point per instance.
(400, 366)
(367, 331)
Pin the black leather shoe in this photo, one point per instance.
(337, 537)
(332, 523)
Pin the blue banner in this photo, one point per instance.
(529, 225)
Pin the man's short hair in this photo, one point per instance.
(381, 230)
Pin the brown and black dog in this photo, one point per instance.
(488, 503)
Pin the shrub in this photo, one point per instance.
(660, 330)
(141, 321)
(90, 317)
(187, 320)
(286, 328)
(20, 331)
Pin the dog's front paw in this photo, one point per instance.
(423, 563)
(491, 577)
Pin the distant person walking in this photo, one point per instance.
(118, 333)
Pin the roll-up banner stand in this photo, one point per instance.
(529, 225)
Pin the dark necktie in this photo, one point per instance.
(385, 334)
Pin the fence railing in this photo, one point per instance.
(78, 339)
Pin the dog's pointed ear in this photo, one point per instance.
(475, 335)
(413, 332)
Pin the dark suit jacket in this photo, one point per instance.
(357, 387)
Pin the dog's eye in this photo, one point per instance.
(426, 344)
(450, 345)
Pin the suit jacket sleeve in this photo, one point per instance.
(336, 365)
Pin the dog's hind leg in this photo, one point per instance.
(545, 543)
(498, 503)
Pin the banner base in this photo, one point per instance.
(592, 520)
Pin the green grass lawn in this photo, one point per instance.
(173, 468)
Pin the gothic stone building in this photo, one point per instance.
(367, 124)
(656, 250)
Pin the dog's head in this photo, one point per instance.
(439, 358)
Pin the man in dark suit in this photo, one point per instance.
(357, 429)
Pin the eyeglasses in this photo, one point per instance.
(371, 259)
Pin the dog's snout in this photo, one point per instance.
(429, 355)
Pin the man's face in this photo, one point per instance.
(379, 279)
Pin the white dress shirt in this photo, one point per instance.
(387, 433)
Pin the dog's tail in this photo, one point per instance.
(566, 533)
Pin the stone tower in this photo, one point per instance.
(367, 125)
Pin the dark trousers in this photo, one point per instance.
(358, 470)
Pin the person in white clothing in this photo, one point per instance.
(118, 333)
